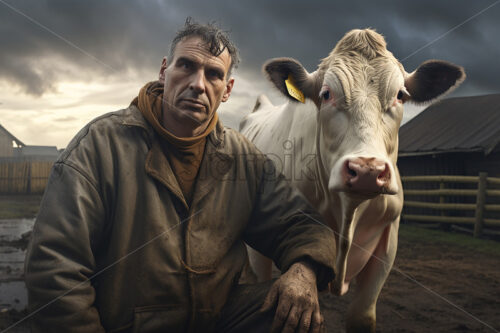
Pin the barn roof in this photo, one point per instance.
(461, 124)
(39, 151)
(12, 137)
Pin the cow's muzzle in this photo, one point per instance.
(367, 175)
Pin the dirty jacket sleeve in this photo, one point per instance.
(60, 259)
(286, 229)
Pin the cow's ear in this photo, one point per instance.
(278, 71)
(432, 79)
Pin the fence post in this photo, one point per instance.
(443, 226)
(28, 185)
(480, 201)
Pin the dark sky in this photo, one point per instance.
(63, 63)
(109, 37)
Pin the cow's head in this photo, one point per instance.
(359, 91)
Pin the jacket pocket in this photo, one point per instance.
(159, 318)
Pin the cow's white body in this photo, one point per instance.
(288, 135)
(313, 142)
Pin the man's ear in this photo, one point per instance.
(227, 90)
(161, 76)
(279, 69)
(432, 79)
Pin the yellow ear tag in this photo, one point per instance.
(293, 90)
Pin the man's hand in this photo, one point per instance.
(297, 297)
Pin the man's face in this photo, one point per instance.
(195, 83)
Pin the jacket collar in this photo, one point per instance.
(135, 118)
(216, 162)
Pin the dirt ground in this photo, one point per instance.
(430, 279)
(19, 206)
(461, 272)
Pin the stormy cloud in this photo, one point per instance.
(46, 41)
(63, 63)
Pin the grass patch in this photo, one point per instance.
(420, 234)
(19, 206)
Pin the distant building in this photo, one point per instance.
(456, 136)
(49, 153)
(8, 142)
(13, 148)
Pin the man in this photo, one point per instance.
(144, 219)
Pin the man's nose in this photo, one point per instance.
(198, 82)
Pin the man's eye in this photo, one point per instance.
(214, 74)
(185, 64)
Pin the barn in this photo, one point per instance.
(24, 169)
(8, 142)
(456, 136)
(13, 149)
(449, 159)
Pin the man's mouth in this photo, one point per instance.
(193, 103)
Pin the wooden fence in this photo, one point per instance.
(24, 177)
(484, 188)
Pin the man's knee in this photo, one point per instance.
(241, 313)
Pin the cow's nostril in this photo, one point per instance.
(351, 172)
(384, 175)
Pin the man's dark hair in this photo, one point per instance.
(216, 41)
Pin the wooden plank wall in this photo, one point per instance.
(24, 177)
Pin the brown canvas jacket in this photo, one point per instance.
(115, 247)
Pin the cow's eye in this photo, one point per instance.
(325, 95)
(402, 96)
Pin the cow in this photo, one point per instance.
(339, 147)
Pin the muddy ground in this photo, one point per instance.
(460, 271)
(432, 276)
